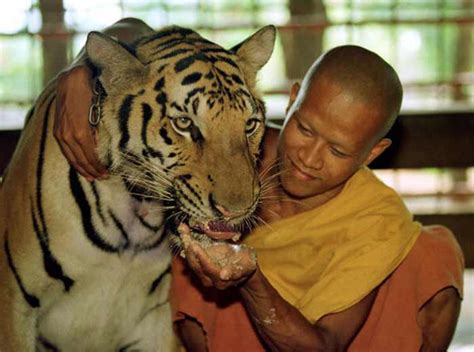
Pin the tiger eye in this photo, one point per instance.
(183, 123)
(252, 126)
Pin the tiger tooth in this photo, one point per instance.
(236, 237)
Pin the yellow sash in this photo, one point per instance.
(329, 258)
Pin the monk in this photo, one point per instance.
(341, 265)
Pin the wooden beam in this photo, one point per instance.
(430, 140)
(8, 141)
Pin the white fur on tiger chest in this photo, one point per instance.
(112, 305)
(113, 302)
(138, 217)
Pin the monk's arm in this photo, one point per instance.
(280, 325)
(284, 328)
(75, 136)
(438, 318)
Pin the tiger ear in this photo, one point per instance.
(255, 51)
(118, 66)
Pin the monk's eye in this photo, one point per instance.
(306, 131)
(252, 125)
(182, 124)
(338, 153)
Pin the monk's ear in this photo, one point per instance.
(295, 88)
(378, 149)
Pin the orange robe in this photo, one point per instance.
(324, 261)
(434, 263)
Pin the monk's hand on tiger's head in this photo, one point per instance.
(72, 130)
(218, 264)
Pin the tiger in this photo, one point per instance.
(85, 266)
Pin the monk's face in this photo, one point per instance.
(327, 136)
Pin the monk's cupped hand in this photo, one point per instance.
(218, 264)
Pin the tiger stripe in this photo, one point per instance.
(160, 84)
(192, 93)
(47, 345)
(195, 105)
(184, 196)
(158, 280)
(183, 32)
(184, 180)
(124, 115)
(51, 264)
(191, 78)
(122, 231)
(146, 224)
(98, 207)
(174, 53)
(165, 136)
(128, 346)
(32, 300)
(162, 99)
(86, 214)
(166, 45)
(177, 106)
(160, 238)
(147, 114)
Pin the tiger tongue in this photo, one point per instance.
(220, 226)
(219, 230)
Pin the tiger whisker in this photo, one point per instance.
(269, 168)
(175, 245)
(265, 223)
(158, 191)
(132, 162)
(270, 197)
(172, 215)
(269, 180)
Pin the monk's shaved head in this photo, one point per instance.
(369, 79)
(335, 122)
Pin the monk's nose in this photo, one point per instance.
(312, 156)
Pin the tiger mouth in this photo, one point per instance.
(216, 230)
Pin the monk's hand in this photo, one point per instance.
(72, 130)
(218, 264)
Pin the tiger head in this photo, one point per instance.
(182, 121)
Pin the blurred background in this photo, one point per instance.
(429, 42)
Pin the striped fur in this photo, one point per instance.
(86, 266)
